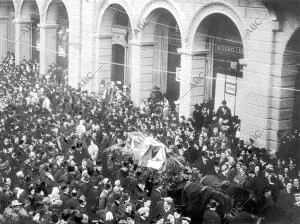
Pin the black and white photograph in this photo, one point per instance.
(149, 111)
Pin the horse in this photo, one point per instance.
(192, 198)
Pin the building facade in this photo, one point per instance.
(189, 48)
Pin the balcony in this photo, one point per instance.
(280, 5)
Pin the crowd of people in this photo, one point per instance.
(55, 166)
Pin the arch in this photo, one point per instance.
(45, 10)
(23, 2)
(209, 9)
(30, 14)
(290, 74)
(102, 8)
(164, 4)
(13, 3)
(160, 32)
(55, 20)
(8, 12)
(113, 26)
(290, 78)
(215, 43)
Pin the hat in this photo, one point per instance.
(168, 200)
(186, 219)
(105, 180)
(119, 82)
(15, 203)
(31, 155)
(20, 174)
(143, 210)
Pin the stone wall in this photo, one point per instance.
(259, 106)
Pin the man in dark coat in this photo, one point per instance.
(155, 198)
(105, 141)
(121, 175)
(224, 111)
(72, 203)
(197, 115)
(82, 205)
(80, 153)
(205, 165)
(210, 216)
(64, 195)
(286, 200)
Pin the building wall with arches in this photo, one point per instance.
(94, 27)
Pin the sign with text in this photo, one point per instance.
(226, 57)
(228, 49)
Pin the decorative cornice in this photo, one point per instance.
(145, 43)
(47, 26)
(280, 5)
(185, 51)
(200, 52)
(104, 36)
(22, 21)
(4, 17)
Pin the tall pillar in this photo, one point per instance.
(185, 99)
(103, 60)
(23, 40)
(48, 45)
(136, 72)
(4, 41)
(73, 71)
(142, 69)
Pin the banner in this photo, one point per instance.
(178, 74)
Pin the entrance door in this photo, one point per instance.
(118, 61)
(225, 89)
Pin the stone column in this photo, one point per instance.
(103, 61)
(185, 98)
(74, 73)
(136, 71)
(48, 45)
(23, 40)
(4, 41)
(142, 69)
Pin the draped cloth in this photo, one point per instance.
(161, 56)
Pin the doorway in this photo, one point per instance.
(118, 61)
